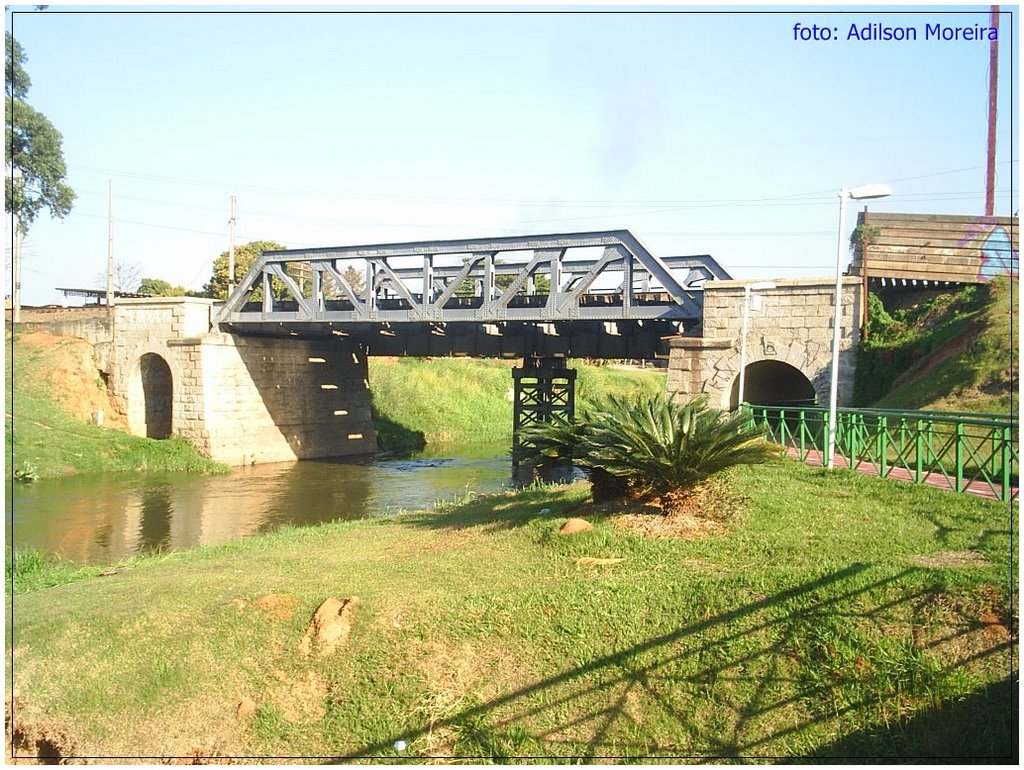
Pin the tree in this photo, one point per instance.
(127, 276)
(33, 151)
(354, 278)
(17, 79)
(245, 256)
(158, 287)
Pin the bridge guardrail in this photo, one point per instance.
(970, 450)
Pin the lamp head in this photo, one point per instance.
(867, 191)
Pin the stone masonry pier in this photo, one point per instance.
(240, 400)
(789, 344)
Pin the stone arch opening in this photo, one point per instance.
(157, 395)
(773, 383)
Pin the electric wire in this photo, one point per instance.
(700, 202)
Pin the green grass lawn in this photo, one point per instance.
(839, 616)
(469, 400)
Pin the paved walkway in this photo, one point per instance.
(937, 480)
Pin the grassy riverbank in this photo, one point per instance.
(838, 616)
(955, 352)
(469, 400)
(52, 388)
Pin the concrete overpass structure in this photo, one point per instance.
(279, 370)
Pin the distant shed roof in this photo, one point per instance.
(101, 294)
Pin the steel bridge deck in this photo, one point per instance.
(596, 293)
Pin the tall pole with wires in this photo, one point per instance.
(993, 79)
(231, 250)
(110, 250)
(16, 229)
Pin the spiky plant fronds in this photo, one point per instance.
(651, 442)
(662, 445)
(553, 443)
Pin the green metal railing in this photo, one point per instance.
(967, 450)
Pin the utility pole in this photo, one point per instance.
(231, 250)
(16, 255)
(993, 78)
(110, 250)
(16, 299)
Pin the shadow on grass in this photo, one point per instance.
(499, 511)
(773, 678)
(982, 726)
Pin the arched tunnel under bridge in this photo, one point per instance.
(157, 386)
(773, 383)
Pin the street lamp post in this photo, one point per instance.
(856, 193)
(743, 339)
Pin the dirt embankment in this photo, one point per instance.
(35, 743)
(68, 365)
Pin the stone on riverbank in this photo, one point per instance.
(330, 625)
(572, 526)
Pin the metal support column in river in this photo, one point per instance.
(544, 388)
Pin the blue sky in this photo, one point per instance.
(712, 132)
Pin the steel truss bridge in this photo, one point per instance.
(593, 294)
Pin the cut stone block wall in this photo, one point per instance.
(243, 400)
(793, 326)
(266, 400)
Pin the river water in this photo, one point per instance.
(99, 519)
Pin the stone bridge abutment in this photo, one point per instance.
(240, 400)
(789, 344)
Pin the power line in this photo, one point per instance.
(519, 226)
(906, 197)
(700, 202)
(151, 224)
(951, 171)
(380, 196)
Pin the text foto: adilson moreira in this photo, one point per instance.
(877, 31)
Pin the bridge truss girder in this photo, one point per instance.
(301, 288)
(506, 339)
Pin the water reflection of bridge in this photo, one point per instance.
(100, 519)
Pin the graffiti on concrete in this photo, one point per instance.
(995, 249)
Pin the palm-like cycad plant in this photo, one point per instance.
(552, 443)
(562, 442)
(651, 443)
(662, 445)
